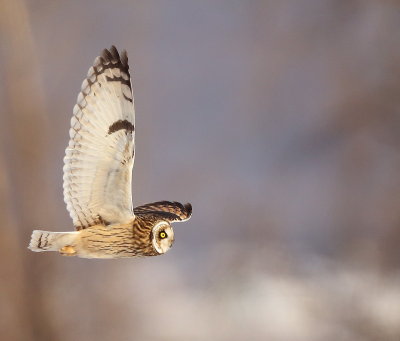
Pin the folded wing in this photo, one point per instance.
(99, 158)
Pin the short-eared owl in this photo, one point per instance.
(98, 175)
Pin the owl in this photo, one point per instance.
(98, 175)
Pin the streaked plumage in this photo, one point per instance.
(98, 175)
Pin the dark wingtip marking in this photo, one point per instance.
(115, 58)
(107, 56)
(114, 53)
(120, 125)
(188, 208)
(124, 58)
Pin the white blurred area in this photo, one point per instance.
(277, 120)
(267, 296)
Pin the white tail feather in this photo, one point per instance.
(51, 241)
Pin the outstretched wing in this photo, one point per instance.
(175, 211)
(100, 155)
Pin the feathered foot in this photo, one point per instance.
(68, 250)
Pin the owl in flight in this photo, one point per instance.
(98, 175)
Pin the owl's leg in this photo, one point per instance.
(68, 250)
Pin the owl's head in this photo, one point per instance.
(157, 217)
(162, 236)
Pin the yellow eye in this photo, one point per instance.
(162, 235)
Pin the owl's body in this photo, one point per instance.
(98, 175)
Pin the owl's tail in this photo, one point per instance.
(51, 241)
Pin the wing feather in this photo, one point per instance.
(175, 211)
(100, 155)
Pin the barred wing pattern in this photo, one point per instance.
(99, 158)
(174, 211)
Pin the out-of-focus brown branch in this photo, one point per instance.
(22, 178)
(12, 280)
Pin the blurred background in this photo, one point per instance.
(278, 120)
